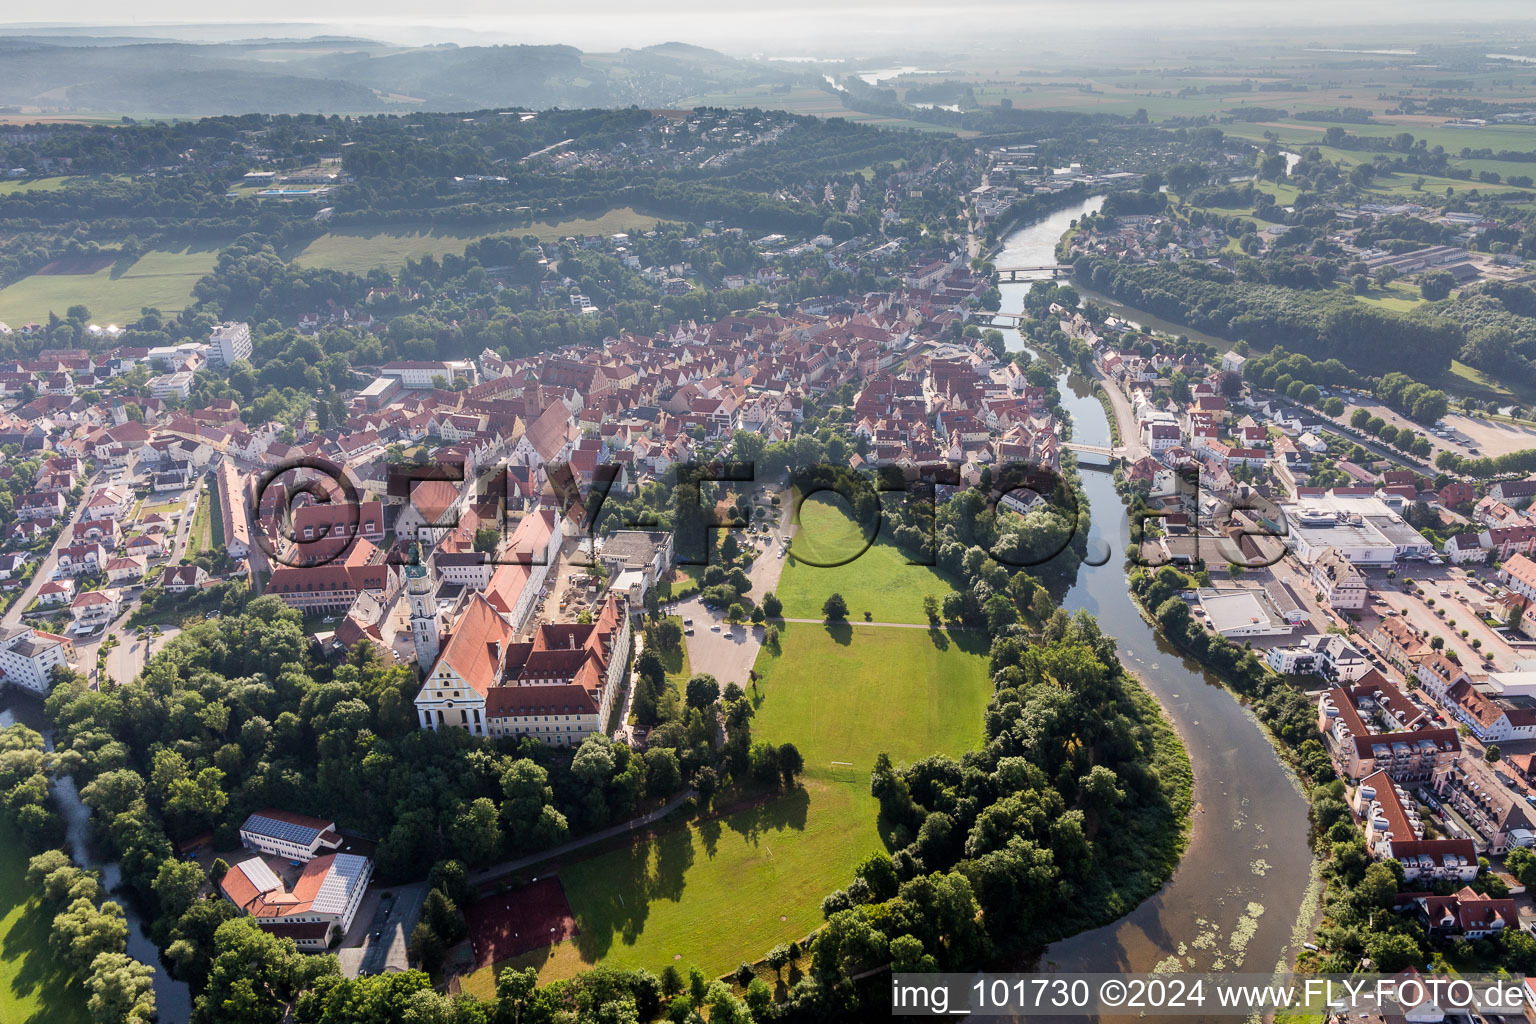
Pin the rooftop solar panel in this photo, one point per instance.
(283, 831)
(345, 875)
(261, 876)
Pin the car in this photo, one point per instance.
(715, 628)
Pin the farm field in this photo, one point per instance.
(879, 581)
(33, 990)
(360, 250)
(717, 893)
(115, 293)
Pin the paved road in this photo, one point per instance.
(44, 572)
(496, 872)
(1125, 418)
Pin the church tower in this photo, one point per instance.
(424, 625)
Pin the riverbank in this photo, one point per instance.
(1240, 893)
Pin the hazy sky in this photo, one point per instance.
(846, 25)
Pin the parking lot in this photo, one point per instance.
(382, 930)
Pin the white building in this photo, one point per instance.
(229, 343)
(171, 385)
(93, 609)
(1340, 584)
(29, 656)
(1366, 530)
(1242, 613)
(318, 909)
(291, 836)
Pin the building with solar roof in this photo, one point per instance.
(322, 902)
(293, 836)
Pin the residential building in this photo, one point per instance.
(1466, 914)
(229, 343)
(1326, 654)
(171, 385)
(1339, 584)
(178, 579)
(1372, 726)
(332, 587)
(1389, 817)
(29, 656)
(1497, 816)
(94, 609)
(1519, 574)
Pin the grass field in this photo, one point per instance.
(115, 294)
(361, 250)
(676, 662)
(34, 184)
(33, 989)
(879, 581)
(200, 537)
(728, 890)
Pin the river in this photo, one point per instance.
(1238, 900)
(173, 999)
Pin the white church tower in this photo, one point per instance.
(424, 625)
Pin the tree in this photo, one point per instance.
(1492, 753)
(702, 691)
(835, 609)
(1521, 862)
(669, 634)
(475, 833)
(778, 958)
(1393, 951)
(772, 606)
(83, 932)
(443, 916)
(178, 883)
(759, 998)
(122, 990)
(931, 608)
(1436, 285)
(427, 948)
(791, 763)
(487, 540)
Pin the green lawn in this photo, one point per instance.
(35, 184)
(33, 988)
(879, 581)
(728, 890)
(360, 250)
(200, 538)
(114, 294)
(676, 662)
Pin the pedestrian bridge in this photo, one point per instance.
(1109, 454)
(1012, 273)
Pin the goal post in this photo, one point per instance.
(842, 770)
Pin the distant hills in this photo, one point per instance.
(52, 74)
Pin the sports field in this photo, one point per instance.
(33, 990)
(879, 581)
(115, 293)
(728, 890)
